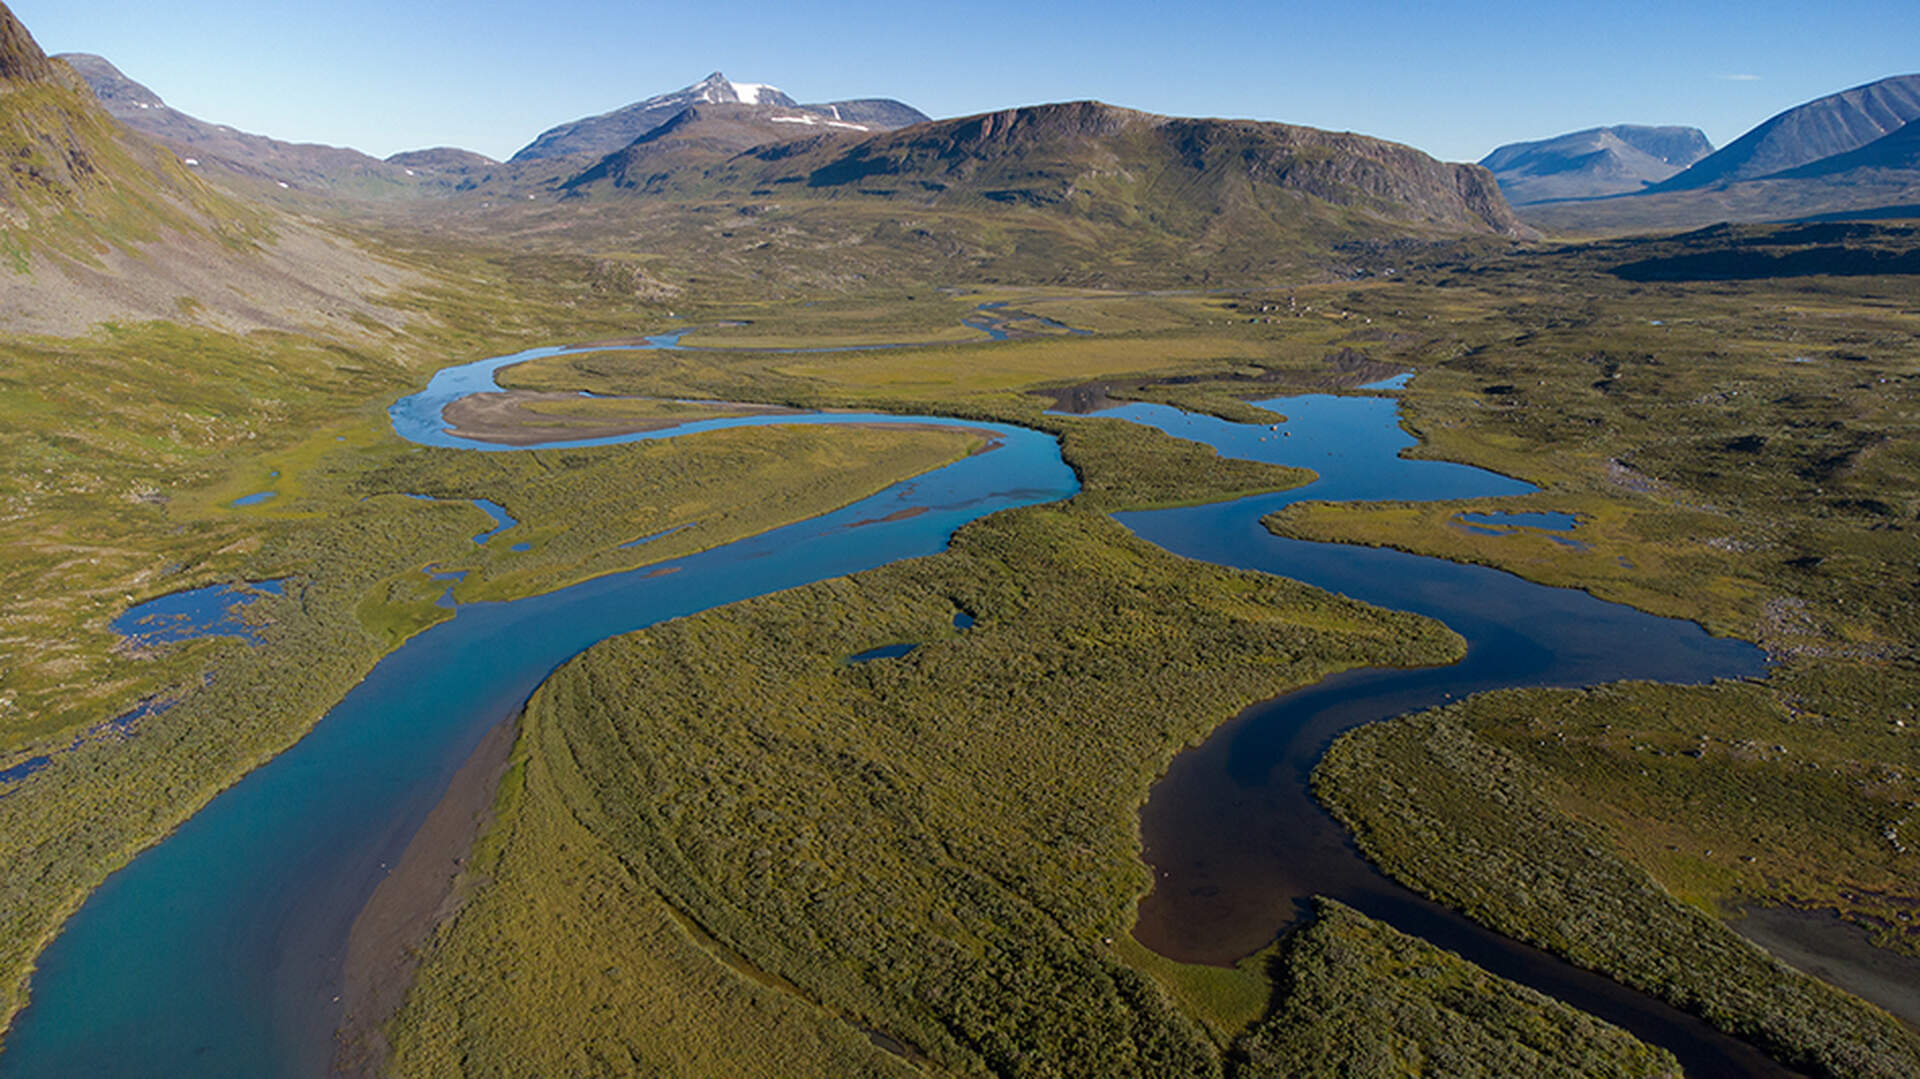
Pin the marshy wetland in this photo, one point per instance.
(1000, 838)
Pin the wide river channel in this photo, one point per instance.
(219, 951)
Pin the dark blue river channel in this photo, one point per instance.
(219, 951)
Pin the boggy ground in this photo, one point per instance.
(1533, 366)
(939, 846)
(139, 507)
(525, 418)
(1742, 452)
(127, 447)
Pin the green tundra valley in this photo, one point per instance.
(747, 587)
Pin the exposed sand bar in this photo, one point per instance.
(514, 417)
(423, 890)
(1838, 953)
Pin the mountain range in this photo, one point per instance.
(1077, 193)
(1102, 162)
(1598, 161)
(552, 157)
(310, 166)
(1807, 133)
(1173, 191)
(610, 131)
(1119, 195)
(1845, 154)
(701, 137)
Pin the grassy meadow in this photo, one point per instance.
(928, 863)
(939, 847)
(128, 447)
(1737, 452)
(1362, 998)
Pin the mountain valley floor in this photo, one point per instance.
(1739, 451)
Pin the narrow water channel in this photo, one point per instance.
(1238, 843)
(219, 951)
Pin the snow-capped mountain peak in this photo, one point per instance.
(609, 131)
(717, 89)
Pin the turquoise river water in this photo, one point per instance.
(219, 951)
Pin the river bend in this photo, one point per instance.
(219, 950)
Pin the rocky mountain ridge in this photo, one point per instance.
(610, 132)
(1189, 176)
(702, 137)
(307, 166)
(1597, 161)
(98, 223)
(1848, 155)
(1807, 133)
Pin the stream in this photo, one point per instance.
(219, 950)
(1238, 843)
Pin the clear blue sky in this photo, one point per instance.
(1452, 79)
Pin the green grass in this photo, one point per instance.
(1768, 498)
(576, 507)
(660, 998)
(75, 186)
(123, 470)
(1468, 820)
(355, 552)
(1225, 1000)
(1740, 454)
(1730, 477)
(940, 846)
(1361, 998)
(1779, 793)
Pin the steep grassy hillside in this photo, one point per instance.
(75, 182)
(1081, 193)
(98, 224)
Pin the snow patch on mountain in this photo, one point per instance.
(812, 120)
(750, 92)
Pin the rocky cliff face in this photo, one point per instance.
(21, 61)
(54, 139)
(1180, 173)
